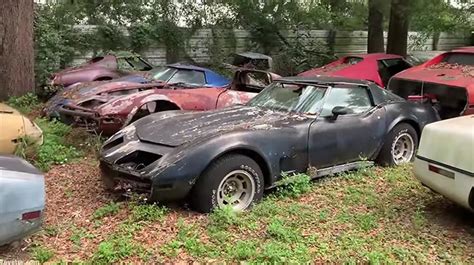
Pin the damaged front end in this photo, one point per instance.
(89, 119)
(130, 167)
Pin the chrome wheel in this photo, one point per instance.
(236, 189)
(403, 148)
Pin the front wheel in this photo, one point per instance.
(233, 180)
(400, 146)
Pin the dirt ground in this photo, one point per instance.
(384, 217)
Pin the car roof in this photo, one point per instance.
(325, 80)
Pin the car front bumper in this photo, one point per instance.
(123, 182)
(90, 120)
(447, 181)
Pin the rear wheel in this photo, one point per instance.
(400, 146)
(233, 180)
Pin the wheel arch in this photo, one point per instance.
(253, 154)
(408, 121)
(168, 102)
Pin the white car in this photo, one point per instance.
(22, 197)
(445, 159)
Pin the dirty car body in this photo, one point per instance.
(375, 67)
(19, 217)
(100, 68)
(164, 155)
(104, 90)
(15, 128)
(107, 112)
(445, 160)
(448, 78)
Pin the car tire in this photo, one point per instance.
(399, 147)
(233, 179)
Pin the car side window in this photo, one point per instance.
(356, 99)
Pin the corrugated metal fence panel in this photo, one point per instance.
(198, 47)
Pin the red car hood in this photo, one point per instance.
(367, 70)
(452, 75)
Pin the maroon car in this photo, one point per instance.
(108, 112)
(101, 68)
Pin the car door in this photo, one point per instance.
(245, 85)
(350, 137)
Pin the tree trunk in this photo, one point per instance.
(16, 48)
(375, 41)
(397, 41)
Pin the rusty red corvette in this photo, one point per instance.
(375, 67)
(447, 78)
(107, 113)
(101, 68)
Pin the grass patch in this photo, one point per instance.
(148, 212)
(106, 210)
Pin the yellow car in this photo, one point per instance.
(14, 127)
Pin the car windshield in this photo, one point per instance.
(162, 73)
(138, 64)
(303, 98)
(192, 77)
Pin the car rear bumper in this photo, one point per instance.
(455, 185)
(16, 229)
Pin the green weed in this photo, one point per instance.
(293, 185)
(42, 254)
(106, 210)
(148, 212)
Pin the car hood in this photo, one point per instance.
(440, 74)
(175, 130)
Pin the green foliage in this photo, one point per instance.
(41, 254)
(54, 151)
(107, 210)
(293, 185)
(25, 103)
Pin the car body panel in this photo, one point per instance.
(14, 127)
(445, 159)
(164, 153)
(360, 66)
(22, 192)
(101, 111)
(98, 68)
(452, 84)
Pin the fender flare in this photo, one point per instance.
(146, 100)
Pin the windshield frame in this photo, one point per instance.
(326, 87)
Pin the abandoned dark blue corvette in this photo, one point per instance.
(230, 156)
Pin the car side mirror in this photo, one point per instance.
(339, 110)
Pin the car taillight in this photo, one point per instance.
(441, 171)
(31, 215)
